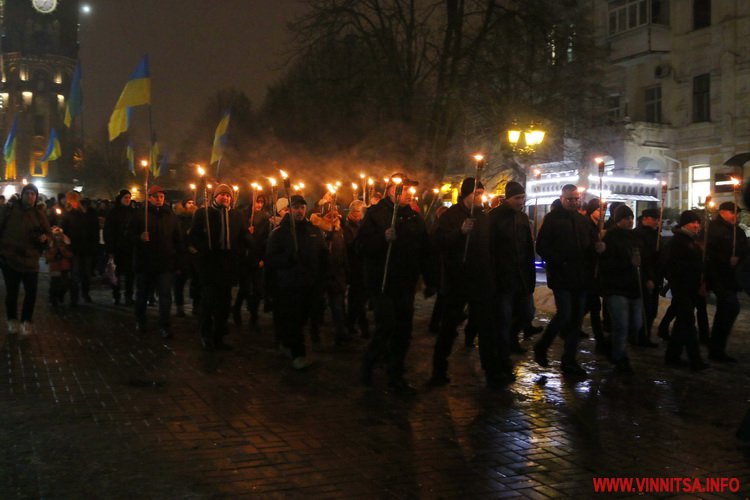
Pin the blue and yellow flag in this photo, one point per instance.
(9, 150)
(220, 138)
(53, 147)
(137, 92)
(154, 159)
(130, 153)
(74, 105)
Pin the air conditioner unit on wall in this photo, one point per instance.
(662, 70)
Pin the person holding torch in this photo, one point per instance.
(725, 249)
(395, 247)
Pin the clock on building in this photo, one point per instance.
(44, 6)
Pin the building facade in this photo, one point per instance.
(38, 56)
(678, 80)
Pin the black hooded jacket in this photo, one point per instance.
(513, 250)
(303, 270)
(565, 244)
(165, 251)
(719, 272)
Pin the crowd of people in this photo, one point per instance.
(299, 261)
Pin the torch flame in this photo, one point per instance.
(284, 175)
(435, 190)
(412, 190)
(301, 185)
(354, 186)
(396, 180)
(370, 182)
(192, 186)
(273, 181)
(201, 171)
(361, 175)
(235, 188)
(735, 181)
(144, 163)
(58, 211)
(478, 157)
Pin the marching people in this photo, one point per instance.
(647, 231)
(356, 299)
(120, 245)
(620, 269)
(684, 270)
(185, 210)
(251, 265)
(513, 249)
(392, 286)
(334, 285)
(24, 232)
(218, 236)
(82, 227)
(159, 255)
(594, 305)
(726, 247)
(467, 278)
(297, 256)
(565, 244)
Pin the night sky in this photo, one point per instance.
(196, 47)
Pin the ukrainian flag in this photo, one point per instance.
(53, 147)
(137, 92)
(155, 170)
(9, 151)
(220, 138)
(75, 99)
(130, 153)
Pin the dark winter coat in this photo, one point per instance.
(118, 232)
(719, 272)
(513, 251)
(20, 229)
(165, 251)
(650, 256)
(82, 227)
(303, 270)
(410, 254)
(355, 276)
(474, 277)
(220, 264)
(617, 274)
(684, 263)
(565, 244)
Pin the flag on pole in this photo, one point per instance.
(137, 92)
(130, 153)
(154, 159)
(9, 151)
(74, 104)
(220, 138)
(53, 147)
(162, 164)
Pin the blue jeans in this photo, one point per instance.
(627, 320)
(516, 311)
(570, 305)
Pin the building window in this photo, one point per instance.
(653, 104)
(701, 185)
(614, 112)
(702, 98)
(660, 12)
(628, 14)
(701, 14)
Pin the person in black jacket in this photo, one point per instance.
(721, 274)
(159, 254)
(513, 249)
(356, 299)
(647, 232)
(684, 265)
(118, 238)
(469, 281)
(184, 212)
(393, 306)
(298, 277)
(619, 270)
(82, 227)
(565, 244)
(219, 247)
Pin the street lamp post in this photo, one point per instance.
(524, 142)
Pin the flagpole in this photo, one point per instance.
(144, 164)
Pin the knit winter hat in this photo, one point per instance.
(513, 188)
(281, 204)
(687, 217)
(153, 190)
(728, 205)
(467, 187)
(223, 188)
(622, 212)
(650, 212)
(298, 200)
(30, 187)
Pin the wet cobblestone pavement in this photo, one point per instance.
(92, 409)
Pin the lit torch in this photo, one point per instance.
(397, 198)
(287, 189)
(202, 174)
(661, 214)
